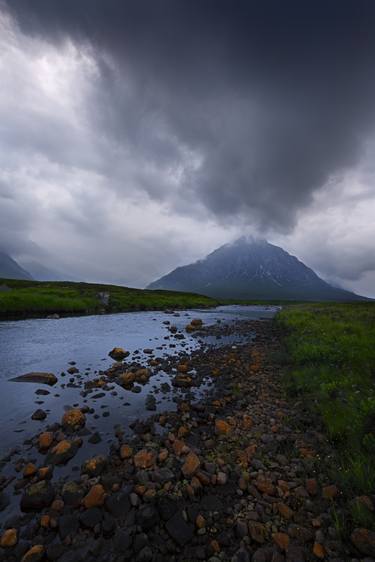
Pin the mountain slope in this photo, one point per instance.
(41, 272)
(10, 269)
(251, 269)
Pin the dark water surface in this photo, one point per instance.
(49, 345)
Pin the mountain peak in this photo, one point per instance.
(251, 268)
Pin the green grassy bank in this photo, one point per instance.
(34, 298)
(330, 351)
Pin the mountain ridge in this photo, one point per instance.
(10, 269)
(251, 268)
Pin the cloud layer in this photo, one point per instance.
(136, 136)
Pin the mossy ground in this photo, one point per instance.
(330, 359)
(34, 298)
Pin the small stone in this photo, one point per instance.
(364, 540)
(191, 465)
(285, 511)
(37, 496)
(63, 451)
(312, 486)
(95, 497)
(222, 427)
(94, 466)
(34, 554)
(282, 540)
(118, 353)
(29, 470)
(144, 459)
(319, 550)
(126, 452)
(39, 415)
(45, 440)
(200, 521)
(45, 521)
(329, 492)
(9, 538)
(73, 419)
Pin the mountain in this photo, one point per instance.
(42, 273)
(10, 269)
(252, 269)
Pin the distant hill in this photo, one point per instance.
(252, 269)
(42, 273)
(10, 269)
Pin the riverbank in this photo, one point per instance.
(238, 474)
(329, 357)
(33, 299)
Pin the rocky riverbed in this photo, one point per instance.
(232, 473)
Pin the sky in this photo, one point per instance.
(137, 136)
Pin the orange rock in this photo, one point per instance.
(330, 492)
(179, 447)
(215, 546)
(285, 511)
(95, 497)
(182, 431)
(203, 478)
(127, 379)
(45, 440)
(312, 486)
(29, 470)
(195, 483)
(73, 419)
(282, 540)
(183, 368)
(163, 455)
(8, 538)
(34, 554)
(222, 427)
(126, 452)
(247, 421)
(45, 521)
(144, 459)
(44, 472)
(319, 550)
(191, 465)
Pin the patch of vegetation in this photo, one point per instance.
(332, 364)
(22, 299)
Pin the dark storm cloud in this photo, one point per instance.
(269, 99)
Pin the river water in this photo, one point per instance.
(49, 345)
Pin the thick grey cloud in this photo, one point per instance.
(271, 97)
(180, 114)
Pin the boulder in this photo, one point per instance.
(95, 497)
(118, 353)
(45, 440)
(8, 538)
(63, 451)
(73, 419)
(37, 496)
(191, 465)
(94, 466)
(43, 378)
(364, 541)
(144, 459)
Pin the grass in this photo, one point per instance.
(331, 354)
(34, 298)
